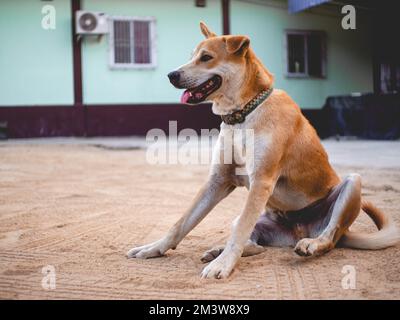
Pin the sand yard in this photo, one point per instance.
(80, 207)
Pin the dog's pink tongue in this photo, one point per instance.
(185, 96)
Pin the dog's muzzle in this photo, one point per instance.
(174, 78)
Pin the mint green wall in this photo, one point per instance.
(177, 27)
(349, 56)
(35, 64)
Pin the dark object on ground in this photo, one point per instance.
(368, 116)
(3, 130)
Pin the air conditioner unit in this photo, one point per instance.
(89, 22)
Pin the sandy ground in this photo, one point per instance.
(79, 208)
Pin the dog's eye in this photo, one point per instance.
(205, 58)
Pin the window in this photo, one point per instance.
(305, 54)
(132, 43)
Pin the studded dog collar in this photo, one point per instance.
(240, 115)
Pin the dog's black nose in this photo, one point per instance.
(174, 77)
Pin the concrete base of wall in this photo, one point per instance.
(113, 120)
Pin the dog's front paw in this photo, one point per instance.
(152, 250)
(312, 247)
(218, 268)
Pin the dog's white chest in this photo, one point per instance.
(237, 146)
(242, 149)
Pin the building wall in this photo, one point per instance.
(35, 64)
(349, 55)
(177, 28)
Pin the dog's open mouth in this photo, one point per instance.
(201, 92)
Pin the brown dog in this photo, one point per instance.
(302, 201)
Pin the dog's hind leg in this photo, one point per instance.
(346, 205)
(267, 232)
(250, 249)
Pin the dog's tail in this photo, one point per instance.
(387, 236)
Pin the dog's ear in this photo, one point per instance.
(207, 32)
(237, 44)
